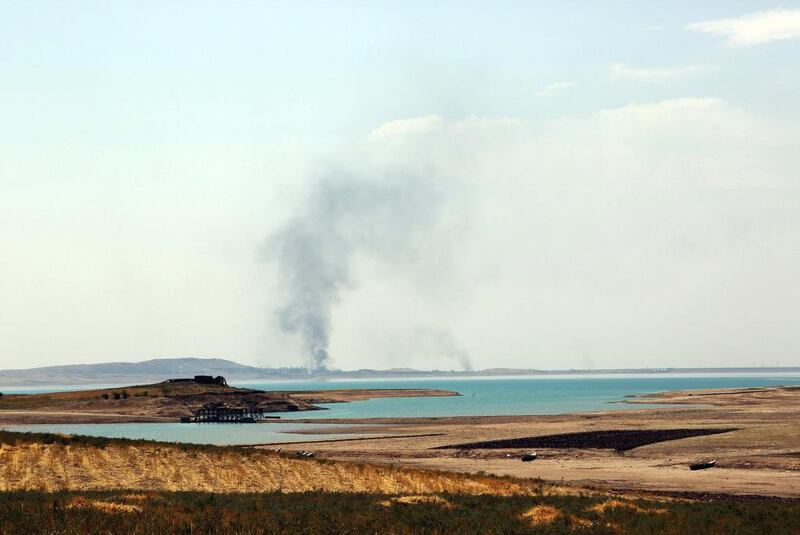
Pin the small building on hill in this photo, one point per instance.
(201, 380)
(209, 380)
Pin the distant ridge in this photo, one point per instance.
(128, 372)
(154, 370)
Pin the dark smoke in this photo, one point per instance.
(449, 346)
(437, 344)
(344, 216)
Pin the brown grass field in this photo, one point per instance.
(610, 473)
(65, 463)
(55, 484)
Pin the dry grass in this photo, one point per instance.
(153, 466)
(541, 514)
(134, 497)
(418, 499)
(581, 522)
(106, 507)
(601, 508)
(180, 513)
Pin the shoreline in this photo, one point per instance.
(13, 380)
(758, 454)
(164, 402)
(755, 441)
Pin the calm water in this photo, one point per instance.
(504, 396)
(220, 434)
(480, 397)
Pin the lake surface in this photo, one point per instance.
(212, 433)
(479, 397)
(514, 396)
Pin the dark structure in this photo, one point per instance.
(201, 380)
(703, 465)
(222, 413)
(208, 380)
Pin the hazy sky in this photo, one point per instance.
(519, 184)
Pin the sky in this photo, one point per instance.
(442, 185)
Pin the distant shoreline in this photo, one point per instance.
(124, 373)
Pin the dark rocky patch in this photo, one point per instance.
(619, 440)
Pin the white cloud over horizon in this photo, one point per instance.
(626, 236)
(753, 29)
(404, 127)
(616, 238)
(622, 71)
(554, 89)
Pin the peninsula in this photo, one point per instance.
(173, 399)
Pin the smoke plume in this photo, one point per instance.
(345, 216)
(437, 344)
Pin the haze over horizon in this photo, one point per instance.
(395, 185)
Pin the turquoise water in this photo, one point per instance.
(517, 396)
(16, 389)
(479, 397)
(219, 434)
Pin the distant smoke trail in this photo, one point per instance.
(344, 215)
(436, 343)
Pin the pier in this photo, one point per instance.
(225, 414)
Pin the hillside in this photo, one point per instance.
(54, 462)
(57, 484)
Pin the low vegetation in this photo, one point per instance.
(73, 485)
(334, 512)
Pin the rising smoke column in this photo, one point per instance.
(444, 345)
(345, 215)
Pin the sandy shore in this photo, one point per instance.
(759, 456)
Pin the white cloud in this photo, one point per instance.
(554, 89)
(617, 238)
(407, 127)
(773, 25)
(623, 236)
(621, 71)
(663, 110)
